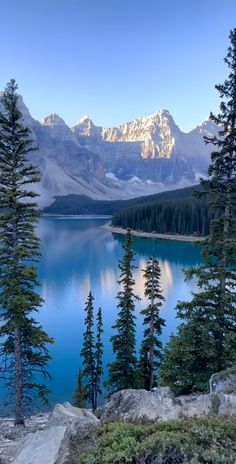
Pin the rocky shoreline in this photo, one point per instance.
(47, 438)
(176, 237)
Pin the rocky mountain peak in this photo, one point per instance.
(53, 120)
(57, 128)
(85, 119)
(86, 128)
(157, 134)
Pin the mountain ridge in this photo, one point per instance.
(145, 156)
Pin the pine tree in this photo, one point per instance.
(189, 356)
(123, 371)
(98, 357)
(151, 345)
(87, 352)
(80, 394)
(24, 350)
(214, 305)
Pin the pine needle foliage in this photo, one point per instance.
(87, 352)
(80, 394)
(123, 371)
(151, 347)
(213, 306)
(24, 352)
(98, 357)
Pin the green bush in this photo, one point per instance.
(208, 440)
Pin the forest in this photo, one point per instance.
(81, 204)
(186, 216)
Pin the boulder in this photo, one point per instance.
(224, 381)
(195, 405)
(41, 447)
(74, 419)
(162, 405)
(137, 404)
(51, 446)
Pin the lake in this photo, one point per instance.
(79, 255)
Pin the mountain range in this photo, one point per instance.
(142, 157)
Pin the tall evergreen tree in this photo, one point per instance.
(98, 357)
(87, 352)
(123, 371)
(24, 350)
(214, 305)
(151, 345)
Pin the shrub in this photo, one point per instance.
(208, 440)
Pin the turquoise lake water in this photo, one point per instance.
(79, 255)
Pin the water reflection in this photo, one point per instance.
(78, 255)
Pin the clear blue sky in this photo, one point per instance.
(116, 59)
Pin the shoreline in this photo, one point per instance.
(177, 237)
(86, 216)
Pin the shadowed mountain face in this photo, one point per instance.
(142, 157)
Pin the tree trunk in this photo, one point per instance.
(19, 401)
(224, 262)
(19, 391)
(95, 393)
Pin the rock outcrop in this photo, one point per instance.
(74, 418)
(41, 447)
(52, 434)
(138, 404)
(195, 405)
(224, 381)
(162, 405)
(46, 438)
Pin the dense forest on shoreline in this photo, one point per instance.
(186, 216)
(174, 211)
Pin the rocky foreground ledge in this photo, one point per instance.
(46, 438)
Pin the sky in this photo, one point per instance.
(116, 60)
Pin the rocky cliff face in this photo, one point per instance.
(65, 166)
(150, 149)
(144, 156)
(157, 134)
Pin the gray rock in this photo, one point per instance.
(72, 418)
(224, 381)
(11, 436)
(195, 405)
(138, 404)
(161, 405)
(41, 447)
(46, 438)
(227, 405)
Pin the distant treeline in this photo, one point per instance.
(187, 216)
(81, 204)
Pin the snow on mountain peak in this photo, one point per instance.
(84, 119)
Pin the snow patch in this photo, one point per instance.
(110, 175)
